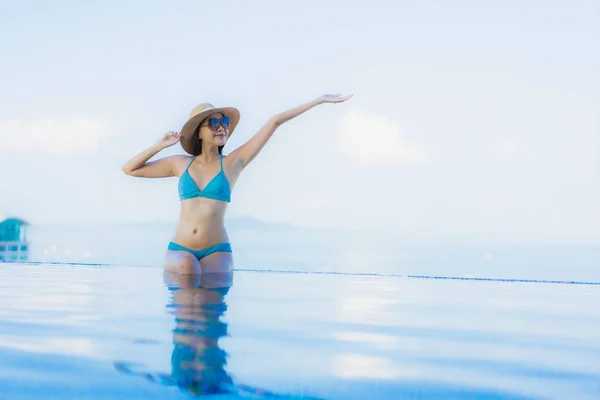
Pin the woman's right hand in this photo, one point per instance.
(169, 139)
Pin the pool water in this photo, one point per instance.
(84, 332)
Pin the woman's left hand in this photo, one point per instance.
(334, 98)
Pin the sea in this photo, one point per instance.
(259, 245)
(309, 313)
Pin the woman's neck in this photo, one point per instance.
(209, 154)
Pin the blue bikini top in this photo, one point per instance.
(217, 189)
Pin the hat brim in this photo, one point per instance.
(187, 132)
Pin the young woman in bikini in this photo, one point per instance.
(206, 178)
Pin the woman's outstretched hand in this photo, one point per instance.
(169, 139)
(334, 98)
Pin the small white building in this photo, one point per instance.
(14, 241)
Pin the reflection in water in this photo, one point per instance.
(198, 363)
(198, 304)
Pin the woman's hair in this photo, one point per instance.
(197, 150)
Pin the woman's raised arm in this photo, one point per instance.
(140, 167)
(249, 150)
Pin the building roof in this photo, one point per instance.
(5, 217)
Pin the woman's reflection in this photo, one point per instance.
(198, 363)
(198, 304)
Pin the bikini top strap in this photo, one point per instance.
(221, 159)
(193, 158)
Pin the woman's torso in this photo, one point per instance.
(204, 192)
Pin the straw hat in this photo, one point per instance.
(197, 115)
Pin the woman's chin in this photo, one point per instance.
(219, 141)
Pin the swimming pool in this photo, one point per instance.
(97, 332)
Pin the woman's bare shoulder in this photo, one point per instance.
(180, 162)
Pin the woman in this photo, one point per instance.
(200, 242)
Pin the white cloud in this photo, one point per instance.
(517, 148)
(373, 139)
(76, 135)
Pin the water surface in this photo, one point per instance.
(80, 332)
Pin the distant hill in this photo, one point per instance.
(235, 222)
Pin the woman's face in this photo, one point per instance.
(214, 129)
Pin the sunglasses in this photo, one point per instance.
(213, 123)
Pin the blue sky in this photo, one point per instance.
(467, 116)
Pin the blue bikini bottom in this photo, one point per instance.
(199, 254)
